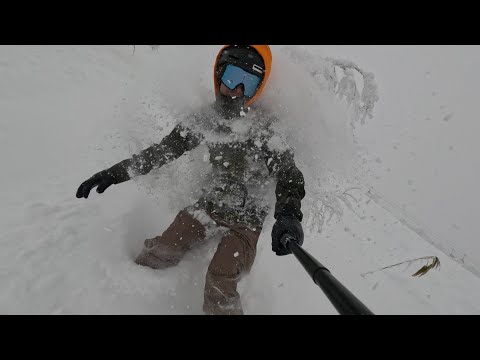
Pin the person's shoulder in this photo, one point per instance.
(263, 112)
(193, 123)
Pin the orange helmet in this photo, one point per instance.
(252, 58)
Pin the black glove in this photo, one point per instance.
(286, 225)
(102, 180)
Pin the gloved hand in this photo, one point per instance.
(286, 225)
(102, 180)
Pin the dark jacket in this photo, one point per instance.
(230, 193)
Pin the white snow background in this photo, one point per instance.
(381, 189)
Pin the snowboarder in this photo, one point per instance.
(246, 154)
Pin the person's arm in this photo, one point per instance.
(289, 192)
(172, 146)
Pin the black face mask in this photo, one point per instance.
(230, 107)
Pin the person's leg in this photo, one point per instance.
(168, 249)
(234, 256)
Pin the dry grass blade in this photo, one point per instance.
(435, 264)
(426, 268)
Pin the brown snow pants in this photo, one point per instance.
(234, 256)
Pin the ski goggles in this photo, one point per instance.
(233, 76)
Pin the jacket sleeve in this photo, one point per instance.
(174, 145)
(290, 188)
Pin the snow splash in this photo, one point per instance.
(318, 102)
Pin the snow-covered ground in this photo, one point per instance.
(67, 112)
